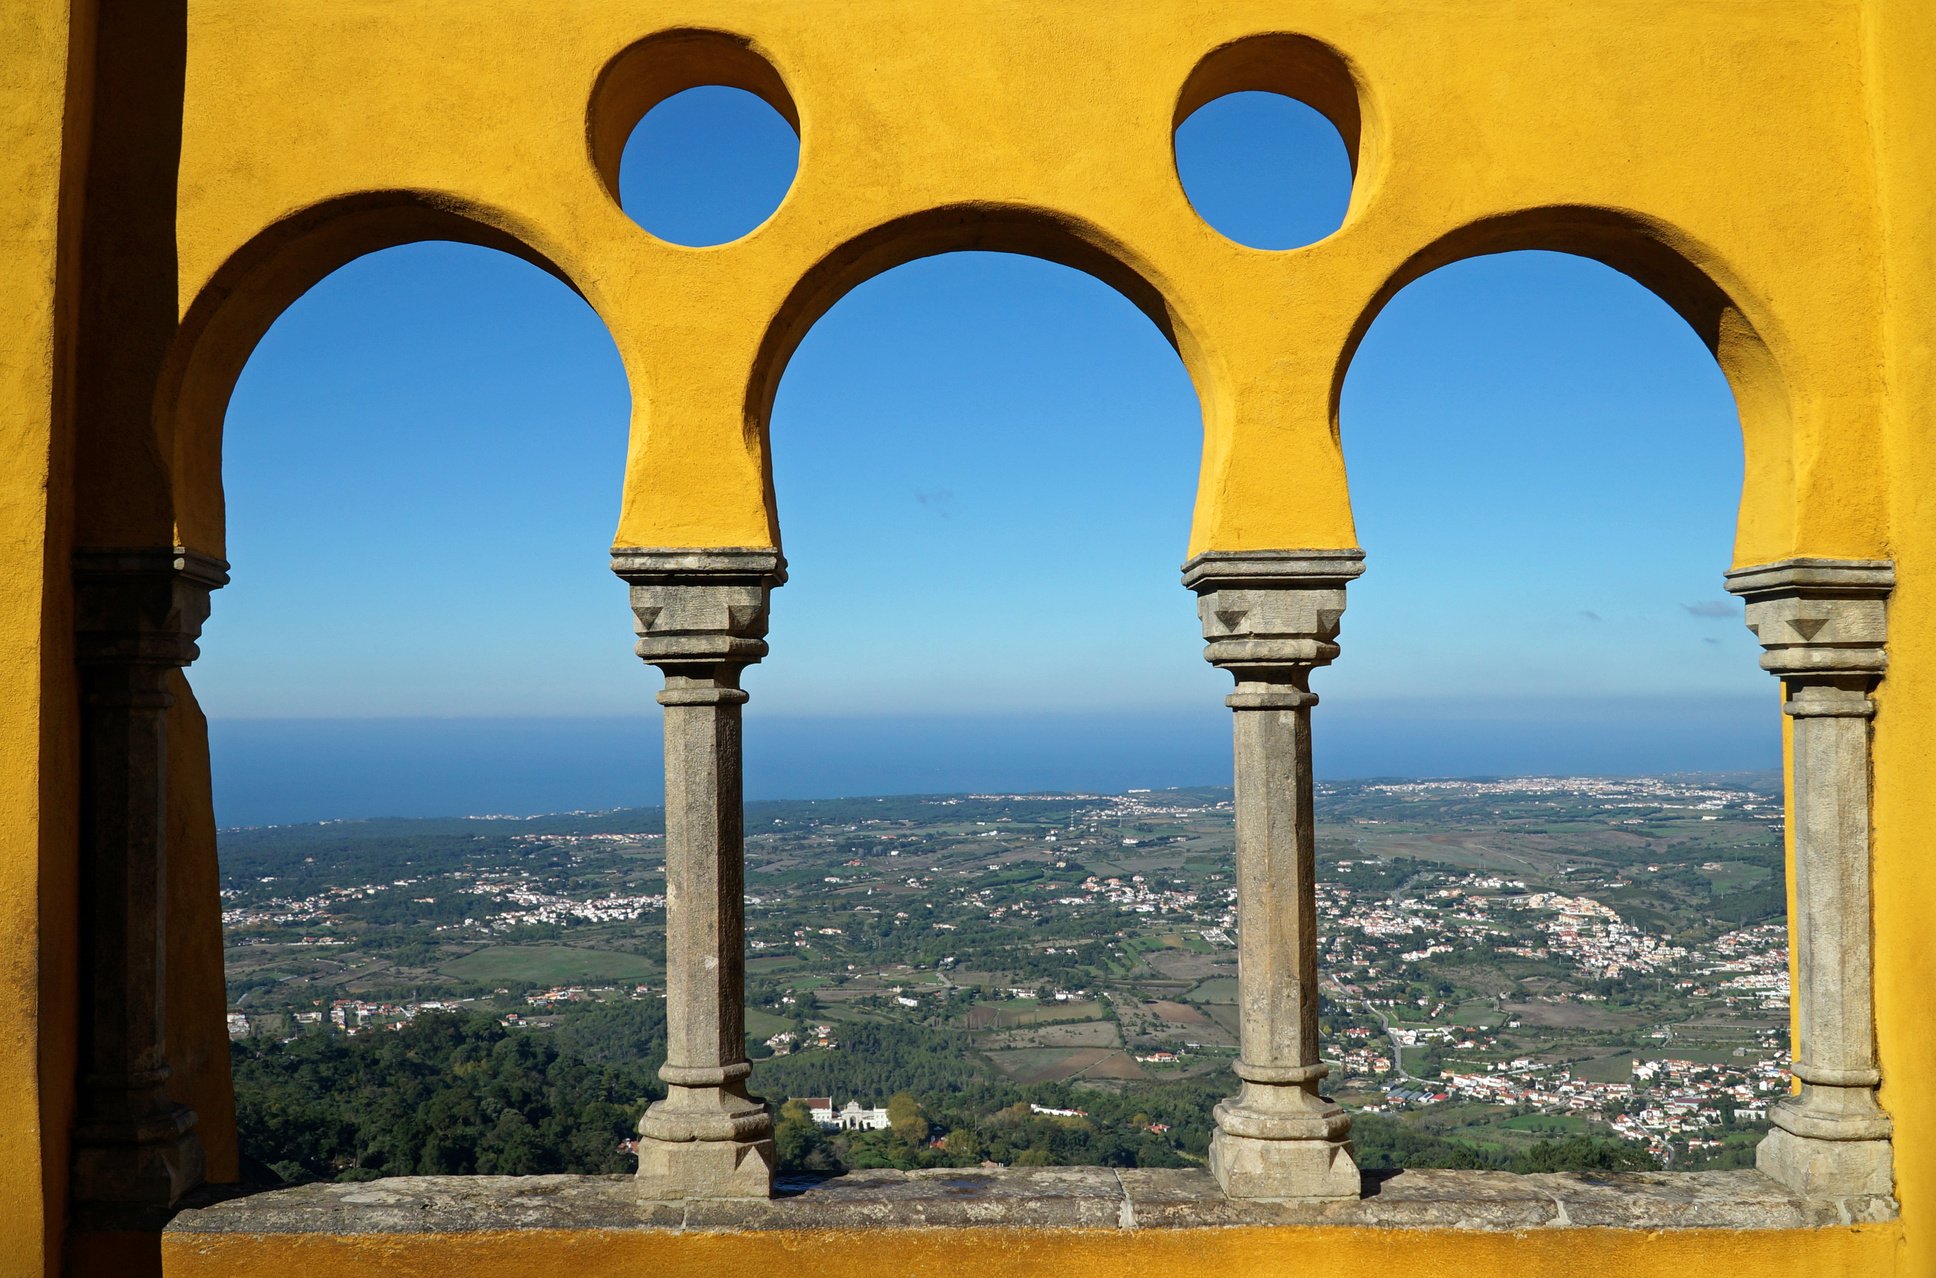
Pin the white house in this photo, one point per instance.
(848, 1118)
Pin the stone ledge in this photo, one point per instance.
(1046, 1198)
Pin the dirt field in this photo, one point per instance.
(1049, 1064)
(1188, 965)
(1075, 1034)
(1015, 1015)
(1568, 1015)
(1178, 1013)
(1617, 1068)
(1116, 1065)
(1225, 1014)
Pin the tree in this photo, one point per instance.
(904, 1116)
(963, 1145)
(796, 1137)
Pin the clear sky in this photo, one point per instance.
(985, 467)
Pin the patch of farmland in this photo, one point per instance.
(763, 1025)
(1118, 1065)
(1048, 1064)
(528, 966)
(1178, 1013)
(1571, 1015)
(1076, 1034)
(1617, 1068)
(1218, 989)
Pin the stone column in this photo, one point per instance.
(1270, 618)
(701, 618)
(1822, 624)
(137, 616)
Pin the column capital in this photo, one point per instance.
(1819, 619)
(144, 606)
(700, 607)
(1271, 608)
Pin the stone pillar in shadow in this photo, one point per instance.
(1822, 624)
(1270, 618)
(701, 619)
(138, 614)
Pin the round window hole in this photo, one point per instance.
(706, 166)
(1264, 169)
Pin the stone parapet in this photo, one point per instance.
(1077, 1198)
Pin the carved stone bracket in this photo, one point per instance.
(701, 619)
(1271, 618)
(1823, 624)
(138, 614)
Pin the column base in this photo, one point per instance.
(711, 1140)
(1817, 1168)
(153, 1160)
(705, 1168)
(1277, 1138)
(1255, 1168)
(1247, 1167)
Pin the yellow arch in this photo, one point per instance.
(223, 325)
(998, 228)
(1690, 278)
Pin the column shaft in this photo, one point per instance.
(705, 924)
(1835, 1007)
(123, 879)
(1276, 888)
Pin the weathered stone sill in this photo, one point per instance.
(1045, 1198)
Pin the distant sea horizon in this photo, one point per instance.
(292, 771)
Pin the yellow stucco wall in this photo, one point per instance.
(1766, 167)
(1227, 1253)
(1900, 39)
(37, 785)
(1720, 151)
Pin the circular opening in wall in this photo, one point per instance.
(707, 165)
(1264, 169)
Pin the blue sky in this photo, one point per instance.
(985, 468)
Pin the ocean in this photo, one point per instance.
(278, 771)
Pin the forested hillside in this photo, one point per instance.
(459, 1094)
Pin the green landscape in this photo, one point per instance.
(1523, 973)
